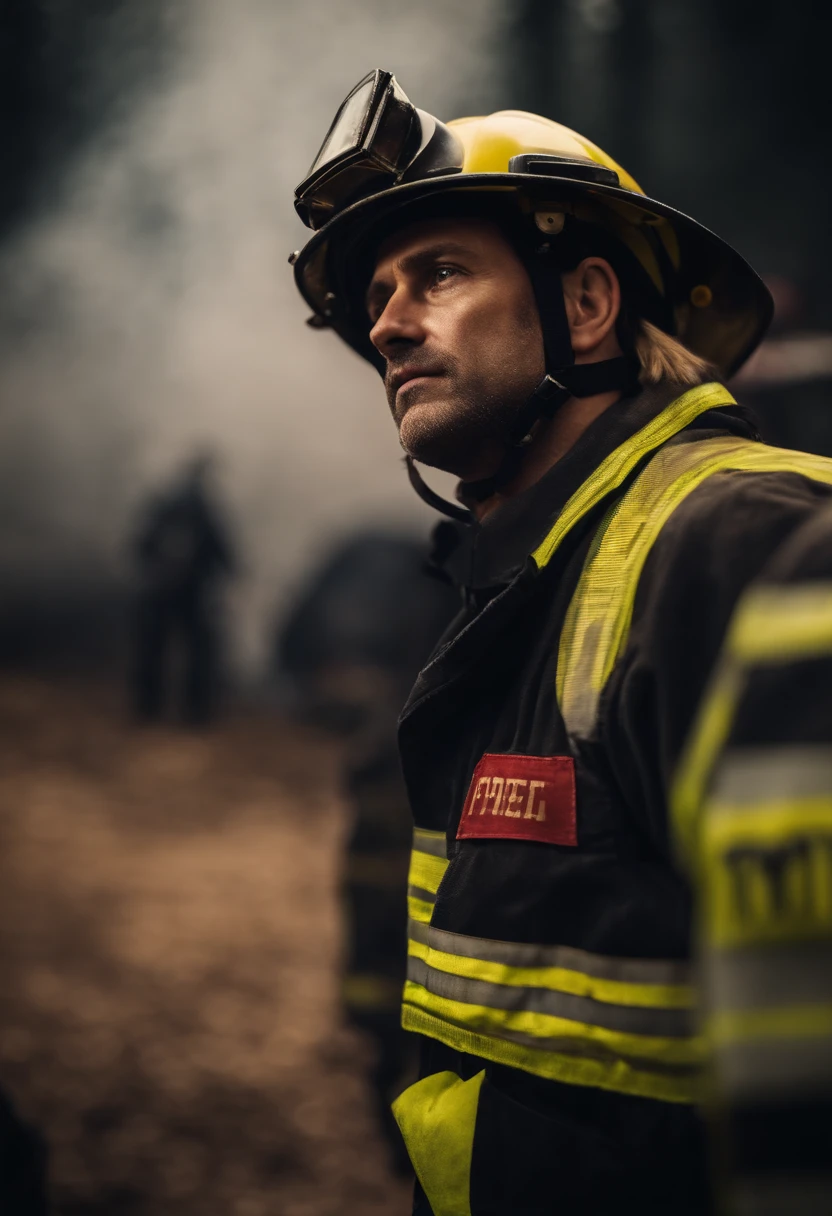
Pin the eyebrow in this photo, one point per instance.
(421, 259)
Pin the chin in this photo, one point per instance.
(429, 439)
(425, 435)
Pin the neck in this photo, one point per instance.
(551, 440)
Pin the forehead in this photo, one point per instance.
(479, 237)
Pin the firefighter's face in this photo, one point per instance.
(453, 314)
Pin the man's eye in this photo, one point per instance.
(443, 273)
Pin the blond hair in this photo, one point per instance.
(662, 357)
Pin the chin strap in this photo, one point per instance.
(433, 499)
(568, 379)
(579, 380)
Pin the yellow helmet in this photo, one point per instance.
(384, 162)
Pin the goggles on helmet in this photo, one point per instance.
(378, 139)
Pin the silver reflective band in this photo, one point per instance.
(522, 954)
(769, 976)
(421, 893)
(630, 1019)
(755, 776)
(434, 843)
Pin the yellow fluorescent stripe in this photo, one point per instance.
(419, 909)
(598, 620)
(427, 834)
(783, 623)
(484, 1019)
(796, 1022)
(613, 471)
(616, 1075)
(768, 822)
(426, 871)
(558, 979)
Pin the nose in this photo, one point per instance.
(399, 325)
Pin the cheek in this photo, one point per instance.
(502, 335)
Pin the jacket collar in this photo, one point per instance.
(487, 555)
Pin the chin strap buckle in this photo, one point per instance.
(549, 387)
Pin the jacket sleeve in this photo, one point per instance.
(710, 550)
(751, 814)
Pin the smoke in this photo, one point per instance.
(149, 310)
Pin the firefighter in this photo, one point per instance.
(751, 809)
(559, 341)
(182, 552)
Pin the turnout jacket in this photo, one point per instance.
(752, 800)
(551, 899)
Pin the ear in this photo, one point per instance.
(592, 295)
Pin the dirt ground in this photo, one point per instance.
(168, 943)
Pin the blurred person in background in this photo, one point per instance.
(558, 341)
(350, 650)
(182, 551)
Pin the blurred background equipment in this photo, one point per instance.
(170, 925)
(347, 657)
(182, 551)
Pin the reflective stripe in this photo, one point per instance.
(554, 1003)
(601, 1062)
(771, 625)
(426, 841)
(548, 1031)
(797, 1022)
(428, 863)
(781, 624)
(422, 894)
(426, 872)
(419, 910)
(556, 1011)
(470, 964)
(658, 973)
(754, 774)
(598, 620)
(751, 978)
(617, 467)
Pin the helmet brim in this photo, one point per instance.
(724, 331)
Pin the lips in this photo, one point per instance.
(406, 374)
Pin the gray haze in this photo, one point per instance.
(152, 311)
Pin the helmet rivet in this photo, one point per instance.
(701, 296)
(550, 221)
(293, 257)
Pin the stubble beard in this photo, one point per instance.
(457, 424)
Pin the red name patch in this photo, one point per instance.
(521, 798)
